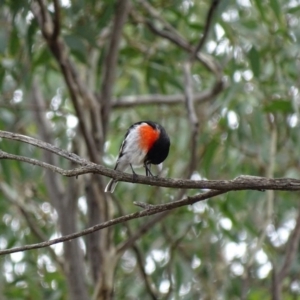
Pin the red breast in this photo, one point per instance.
(148, 136)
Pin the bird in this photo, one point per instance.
(144, 144)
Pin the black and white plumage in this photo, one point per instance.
(145, 143)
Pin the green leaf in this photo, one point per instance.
(2, 75)
(14, 42)
(254, 61)
(209, 155)
(282, 106)
(276, 8)
(3, 41)
(77, 47)
(261, 9)
(42, 57)
(30, 36)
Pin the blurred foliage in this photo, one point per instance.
(199, 252)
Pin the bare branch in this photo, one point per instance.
(75, 85)
(141, 231)
(139, 256)
(132, 101)
(56, 29)
(242, 182)
(219, 186)
(32, 161)
(43, 145)
(138, 100)
(208, 22)
(147, 212)
(177, 39)
(44, 18)
(14, 198)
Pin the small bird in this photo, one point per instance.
(145, 143)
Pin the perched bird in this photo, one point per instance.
(145, 143)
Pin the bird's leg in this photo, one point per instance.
(133, 173)
(148, 171)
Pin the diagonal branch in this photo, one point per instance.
(56, 29)
(34, 162)
(122, 247)
(13, 197)
(75, 85)
(155, 209)
(175, 37)
(208, 22)
(45, 146)
(139, 257)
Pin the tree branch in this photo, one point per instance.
(75, 85)
(208, 22)
(243, 182)
(56, 29)
(110, 62)
(146, 212)
(131, 101)
(45, 146)
(140, 259)
(175, 37)
(14, 198)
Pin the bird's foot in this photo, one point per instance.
(134, 175)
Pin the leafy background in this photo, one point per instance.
(232, 247)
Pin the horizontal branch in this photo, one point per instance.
(129, 101)
(151, 210)
(239, 183)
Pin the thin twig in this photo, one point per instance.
(16, 199)
(178, 40)
(45, 146)
(141, 231)
(140, 259)
(35, 162)
(208, 22)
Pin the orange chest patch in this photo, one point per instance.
(148, 136)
